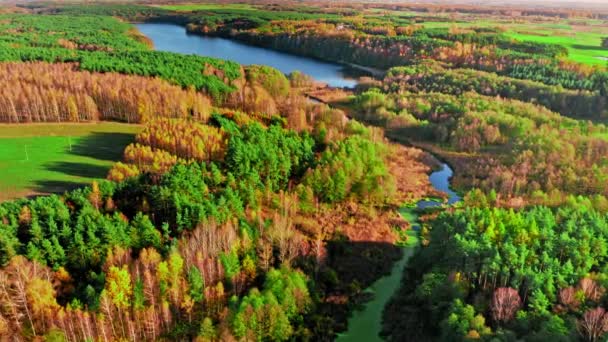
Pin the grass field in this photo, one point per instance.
(583, 47)
(51, 158)
(582, 38)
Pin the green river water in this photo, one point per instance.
(365, 325)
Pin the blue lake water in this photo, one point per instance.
(174, 38)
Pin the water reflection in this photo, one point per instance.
(174, 38)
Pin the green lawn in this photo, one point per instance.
(582, 41)
(583, 47)
(52, 158)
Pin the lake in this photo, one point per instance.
(174, 38)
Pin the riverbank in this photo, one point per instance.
(366, 323)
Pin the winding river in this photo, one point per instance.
(364, 325)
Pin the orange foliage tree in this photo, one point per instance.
(42, 92)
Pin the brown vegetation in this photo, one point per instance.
(505, 302)
(593, 324)
(42, 92)
(410, 168)
(186, 139)
(29, 290)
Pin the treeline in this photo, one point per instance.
(205, 74)
(331, 44)
(91, 33)
(129, 11)
(59, 92)
(433, 78)
(42, 92)
(214, 18)
(483, 273)
(345, 9)
(154, 297)
(514, 148)
(492, 37)
(358, 41)
(210, 75)
(511, 11)
(103, 44)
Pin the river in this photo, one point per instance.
(174, 38)
(366, 324)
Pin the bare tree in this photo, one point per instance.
(505, 303)
(593, 324)
(568, 298)
(591, 289)
(282, 232)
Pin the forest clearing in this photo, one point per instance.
(51, 158)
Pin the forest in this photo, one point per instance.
(60, 93)
(514, 148)
(104, 44)
(198, 250)
(245, 204)
(536, 274)
(429, 77)
(207, 227)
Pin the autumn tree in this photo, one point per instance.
(594, 324)
(505, 302)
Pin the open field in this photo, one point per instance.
(582, 38)
(50, 158)
(583, 47)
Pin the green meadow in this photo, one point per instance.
(583, 47)
(582, 38)
(51, 158)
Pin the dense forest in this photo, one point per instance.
(534, 275)
(209, 227)
(434, 78)
(43, 92)
(242, 210)
(203, 249)
(104, 44)
(515, 148)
